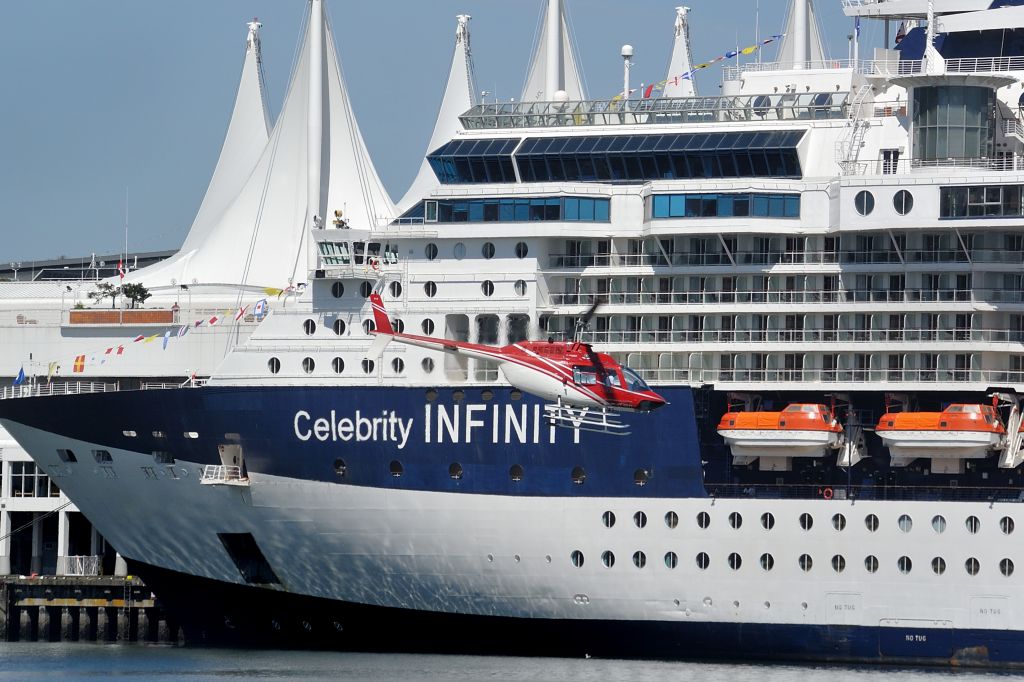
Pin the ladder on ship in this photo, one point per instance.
(1012, 454)
(848, 144)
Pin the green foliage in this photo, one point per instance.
(105, 290)
(136, 293)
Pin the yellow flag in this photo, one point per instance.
(149, 338)
(749, 50)
(272, 291)
(51, 369)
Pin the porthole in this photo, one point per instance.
(973, 524)
(735, 519)
(522, 249)
(639, 559)
(455, 471)
(427, 364)
(487, 287)
(671, 519)
(767, 561)
(608, 519)
(671, 560)
(487, 395)
(515, 394)
(365, 289)
(838, 563)
(396, 468)
(459, 251)
(903, 202)
(397, 365)
(806, 521)
(576, 558)
(430, 289)
(703, 561)
(864, 202)
(340, 468)
(339, 326)
(309, 326)
(767, 521)
(368, 366)
(735, 561)
(515, 472)
(308, 365)
(430, 251)
(395, 289)
(520, 287)
(871, 563)
(1006, 525)
(337, 289)
(871, 522)
(640, 519)
(904, 564)
(369, 326)
(487, 251)
(398, 325)
(972, 566)
(274, 365)
(806, 562)
(905, 523)
(579, 475)
(1006, 567)
(427, 326)
(608, 559)
(938, 565)
(338, 365)
(431, 395)
(838, 521)
(939, 524)
(640, 477)
(458, 395)
(703, 520)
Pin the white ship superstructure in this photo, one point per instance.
(801, 264)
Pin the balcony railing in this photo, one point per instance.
(783, 296)
(867, 67)
(826, 376)
(56, 388)
(868, 257)
(79, 565)
(795, 336)
(218, 474)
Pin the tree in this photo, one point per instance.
(106, 290)
(136, 293)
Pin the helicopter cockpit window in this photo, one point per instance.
(633, 380)
(612, 380)
(581, 376)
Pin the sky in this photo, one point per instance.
(117, 108)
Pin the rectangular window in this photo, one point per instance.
(725, 205)
(977, 201)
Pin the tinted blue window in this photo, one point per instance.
(678, 209)
(572, 209)
(601, 210)
(587, 209)
(792, 207)
(776, 206)
(661, 206)
(725, 203)
(522, 210)
(507, 211)
(760, 208)
(476, 212)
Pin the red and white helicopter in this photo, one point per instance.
(587, 388)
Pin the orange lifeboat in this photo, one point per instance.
(961, 431)
(800, 430)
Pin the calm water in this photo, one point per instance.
(89, 661)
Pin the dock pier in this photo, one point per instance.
(83, 609)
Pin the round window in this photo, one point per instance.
(428, 365)
(368, 326)
(308, 365)
(487, 250)
(309, 326)
(396, 289)
(903, 202)
(459, 251)
(487, 287)
(430, 289)
(274, 365)
(368, 365)
(522, 249)
(520, 287)
(455, 471)
(864, 202)
(365, 289)
(338, 365)
(427, 326)
(339, 326)
(398, 365)
(430, 251)
(337, 290)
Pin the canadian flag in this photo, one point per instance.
(120, 269)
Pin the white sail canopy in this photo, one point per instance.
(807, 37)
(315, 162)
(459, 96)
(553, 66)
(682, 59)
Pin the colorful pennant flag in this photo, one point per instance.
(261, 309)
(20, 379)
(51, 369)
(120, 268)
(241, 313)
(79, 365)
(182, 330)
(213, 321)
(167, 336)
(138, 338)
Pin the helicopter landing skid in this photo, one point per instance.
(585, 419)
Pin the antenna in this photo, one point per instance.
(627, 54)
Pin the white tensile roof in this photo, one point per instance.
(568, 74)
(787, 48)
(681, 61)
(261, 237)
(459, 97)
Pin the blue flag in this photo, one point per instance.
(20, 379)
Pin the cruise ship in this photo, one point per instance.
(818, 268)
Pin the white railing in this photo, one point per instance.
(771, 258)
(794, 296)
(56, 388)
(893, 377)
(78, 565)
(1013, 128)
(867, 67)
(984, 64)
(219, 473)
(1008, 163)
(805, 336)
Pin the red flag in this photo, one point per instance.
(79, 365)
(214, 320)
(120, 268)
(138, 338)
(648, 91)
(108, 351)
(241, 313)
(901, 33)
(120, 350)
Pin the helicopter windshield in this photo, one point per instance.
(633, 380)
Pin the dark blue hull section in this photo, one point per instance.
(253, 616)
(484, 441)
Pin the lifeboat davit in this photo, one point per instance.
(961, 431)
(800, 430)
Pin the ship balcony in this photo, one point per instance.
(1008, 163)
(806, 336)
(857, 379)
(813, 297)
(33, 390)
(219, 474)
